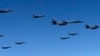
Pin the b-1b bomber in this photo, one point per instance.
(62, 23)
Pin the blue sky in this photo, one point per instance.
(41, 37)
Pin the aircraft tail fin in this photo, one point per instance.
(87, 26)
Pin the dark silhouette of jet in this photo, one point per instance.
(38, 16)
(64, 38)
(6, 47)
(1, 35)
(72, 34)
(54, 22)
(77, 21)
(5, 11)
(91, 27)
(63, 23)
(19, 43)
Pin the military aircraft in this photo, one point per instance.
(64, 38)
(62, 23)
(6, 47)
(19, 43)
(1, 35)
(5, 11)
(72, 34)
(54, 22)
(77, 21)
(91, 27)
(38, 16)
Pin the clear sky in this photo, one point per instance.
(41, 37)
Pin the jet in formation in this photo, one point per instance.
(19, 43)
(91, 27)
(38, 16)
(64, 38)
(5, 11)
(6, 47)
(73, 34)
(62, 23)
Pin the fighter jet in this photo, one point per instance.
(19, 43)
(1, 35)
(72, 34)
(64, 38)
(91, 27)
(62, 23)
(54, 22)
(77, 21)
(6, 47)
(5, 11)
(38, 16)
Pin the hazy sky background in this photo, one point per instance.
(41, 37)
